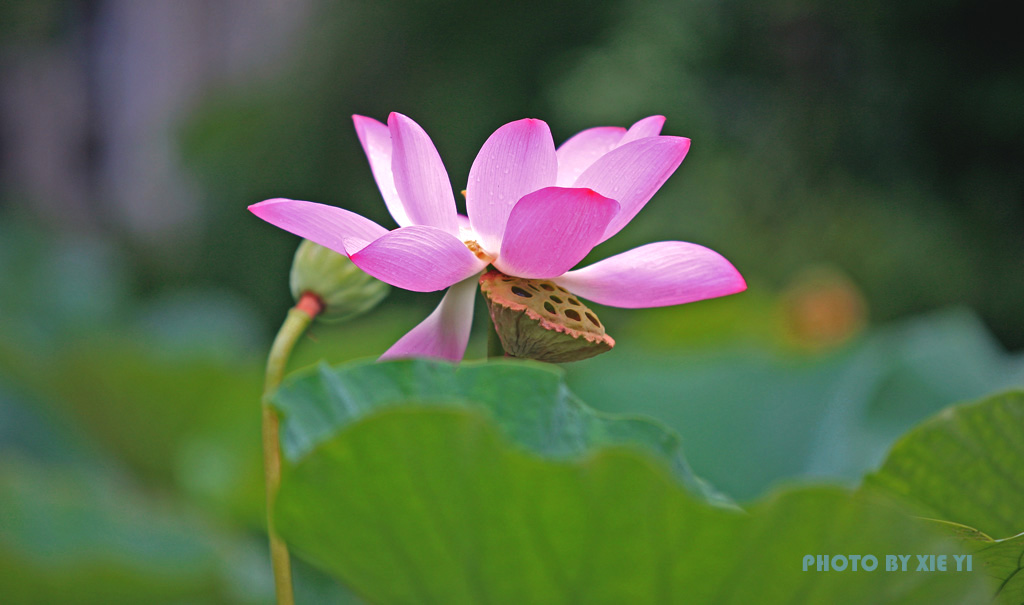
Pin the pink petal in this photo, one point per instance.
(517, 159)
(418, 258)
(338, 229)
(647, 127)
(551, 230)
(632, 173)
(445, 332)
(582, 149)
(420, 178)
(655, 275)
(376, 141)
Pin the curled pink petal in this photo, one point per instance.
(376, 141)
(338, 229)
(655, 275)
(647, 127)
(418, 258)
(632, 173)
(420, 178)
(582, 149)
(551, 230)
(517, 159)
(445, 332)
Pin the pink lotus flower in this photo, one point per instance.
(534, 212)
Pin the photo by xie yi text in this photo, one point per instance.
(891, 562)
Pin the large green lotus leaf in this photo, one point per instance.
(966, 467)
(528, 400)
(433, 504)
(1001, 559)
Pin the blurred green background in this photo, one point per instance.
(859, 162)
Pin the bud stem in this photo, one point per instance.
(295, 324)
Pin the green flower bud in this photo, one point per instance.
(538, 319)
(345, 290)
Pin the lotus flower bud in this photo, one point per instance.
(345, 290)
(537, 319)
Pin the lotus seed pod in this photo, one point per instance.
(345, 290)
(538, 319)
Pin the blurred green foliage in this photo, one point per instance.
(82, 537)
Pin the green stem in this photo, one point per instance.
(494, 348)
(299, 318)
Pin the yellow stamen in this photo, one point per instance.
(478, 250)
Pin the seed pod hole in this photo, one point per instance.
(550, 307)
(556, 299)
(520, 292)
(571, 314)
(593, 319)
